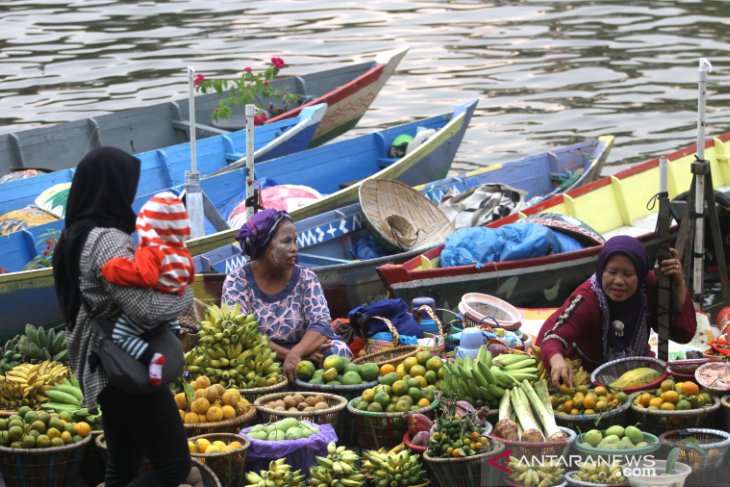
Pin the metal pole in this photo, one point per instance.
(193, 196)
(664, 293)
(250, 111)
(699, 203)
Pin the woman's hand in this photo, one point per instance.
(672, 267)
(318, 355)
(290, 364)
(560, 371)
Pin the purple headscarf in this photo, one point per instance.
(256, 232)
(632, 312)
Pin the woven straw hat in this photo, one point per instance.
(400, 217)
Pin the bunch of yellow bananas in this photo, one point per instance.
(27, 384)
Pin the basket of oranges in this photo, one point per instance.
(224, 453)
(674, 406)
(584, 407)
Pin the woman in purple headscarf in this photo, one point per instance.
(609, 315)
(288, 299)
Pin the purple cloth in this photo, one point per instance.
(632, 312)
(256, 233)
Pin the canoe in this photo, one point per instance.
(324, 240)
(348, 92)
(165, 167)
(336, 170)
(613, 205)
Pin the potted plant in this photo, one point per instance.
(249, 88)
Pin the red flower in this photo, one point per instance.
(247, 69)
(260, 119)
(199, 78)
(45, 252)
(277, 62)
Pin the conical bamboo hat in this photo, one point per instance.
(401, 217)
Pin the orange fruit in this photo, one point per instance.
(423, 402)
(600, 391)
(401, 370)
(656, 402)
(667, 385)
(689, 388)
(670, 396)
(82, 429)
(644, 399)
(589, 402)
(667, 406)
(386, 369)
(409, 363)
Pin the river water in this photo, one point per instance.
(546, 73)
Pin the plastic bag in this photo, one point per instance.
(299, 454)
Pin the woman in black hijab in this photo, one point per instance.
(99, 223)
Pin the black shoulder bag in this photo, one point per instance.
(126, 372)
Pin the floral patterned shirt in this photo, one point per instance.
(284, 317)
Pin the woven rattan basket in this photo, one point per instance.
(384, 429)
(389, 356)
(229, 466)
(608, 454)
(657, 421)
(233, 425)
(329, 415)
(705, 456)
(210, 479)
(610, 371)
(538, 449)
(31, 467)
(255, 392)
(400, 217)
(585, 422)
(473, 471)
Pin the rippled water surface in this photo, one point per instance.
(546, 73)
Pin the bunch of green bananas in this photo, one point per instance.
(384, 469)
(232, 351)
(40, 344)
(337, 469)
(539, 474)
(279, 474)
(66, 396)
(27, 384)
(10, 356)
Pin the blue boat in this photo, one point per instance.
(324, 240)
(165, 167)
(336, 170)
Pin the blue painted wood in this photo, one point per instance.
(165, 167)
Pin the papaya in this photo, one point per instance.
(635, 377)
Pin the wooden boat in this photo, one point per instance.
(324, 240)
(613, 205)
(348, 92)
(165, 167)
(335, 169)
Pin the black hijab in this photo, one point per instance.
(101, 195)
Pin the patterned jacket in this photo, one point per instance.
(109, 301)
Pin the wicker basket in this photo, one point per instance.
(705, 457)
(538, 449)
(46, 467)
(389, 356)
(610, 371)
(233, 425)
(229, 466)
(585, 422)
(255, 392)
(470, 471)
(383, 429)
(210, 479)
(329, 415)
(657, 421)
